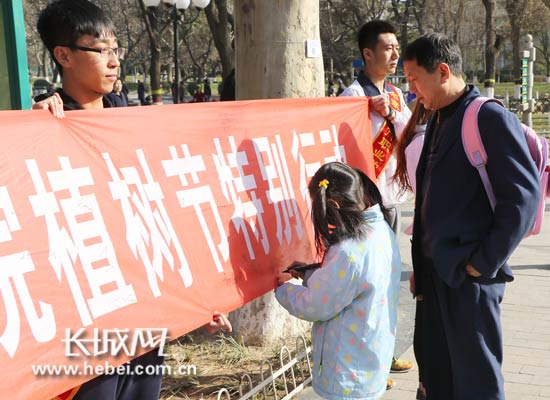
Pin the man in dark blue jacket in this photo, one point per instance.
(460, 246)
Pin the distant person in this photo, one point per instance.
(198, 96)
(207, 90)
(341, 87)
(125, 89)
(117, 97)
(331, 91)
(352, 298)
(228, 88)
(50, 89)
(174, 92)
(141, 93)
(181, 92)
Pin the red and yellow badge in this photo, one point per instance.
(393, 98)
(382, 148)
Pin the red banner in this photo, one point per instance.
(151, 217)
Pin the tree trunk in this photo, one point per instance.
(401, 14)
(280, 68)
(151, 25)
(45, 56)
(154, 74)
(516, 15)
(492, 47)
(515, 35)
(220, 26)
(271, 63)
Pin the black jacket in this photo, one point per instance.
(70, 104)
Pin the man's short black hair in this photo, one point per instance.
(433, 49)
(64, 21)
(367, 38)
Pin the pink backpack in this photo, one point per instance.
(475, 151)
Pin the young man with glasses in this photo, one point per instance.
(81, 40)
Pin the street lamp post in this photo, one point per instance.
(177, 5)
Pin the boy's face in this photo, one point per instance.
(88, 72)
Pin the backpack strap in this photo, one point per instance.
(473, 145)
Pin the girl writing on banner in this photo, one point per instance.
(353, 297)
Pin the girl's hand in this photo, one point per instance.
(296, 274)
(411, 283)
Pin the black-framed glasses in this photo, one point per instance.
(120, 52)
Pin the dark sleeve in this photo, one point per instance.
(515, 182)
(43, 96)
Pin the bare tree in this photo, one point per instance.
(220, 21)
(270, 62)
(419, 11)
(493, 43)
(151, 18)
(126, 18)
(517, 12)
(339, 23)
(401, 13)
(445, 16)
(38, 56)
(538, 21)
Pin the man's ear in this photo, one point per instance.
(367, 53)
(444, 72)
(63, 55)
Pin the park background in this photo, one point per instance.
(202, 40)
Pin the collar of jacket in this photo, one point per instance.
(449, 109)
(70, 104)
(373, 213)
(369, 88)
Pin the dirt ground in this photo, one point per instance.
(220, 361)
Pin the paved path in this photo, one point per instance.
(526, 325)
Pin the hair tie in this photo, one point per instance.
(324, 183)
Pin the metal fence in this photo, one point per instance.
(293, 375)
(542, 105)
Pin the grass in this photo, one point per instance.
(221, 361)
(541, 124)
(231, 351)
(501, 89)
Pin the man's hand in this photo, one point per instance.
(380, 104)
(470, 270)
(219, 322)
(52, 103)
(411, 283)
